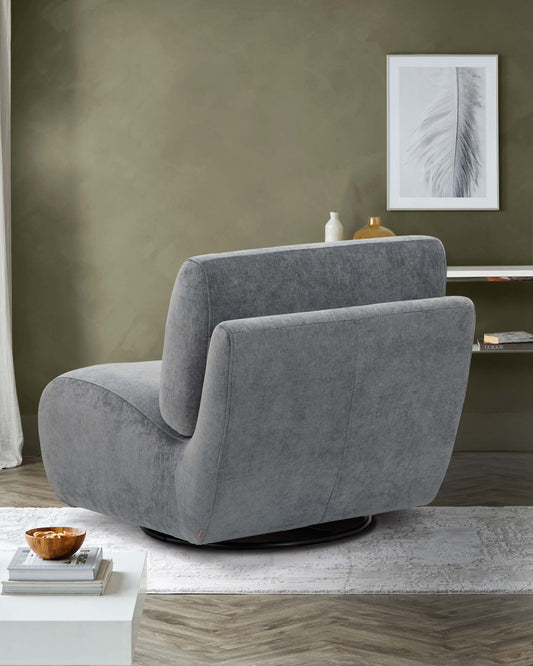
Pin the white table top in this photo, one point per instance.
(116, 604)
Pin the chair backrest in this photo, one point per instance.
(213, 288)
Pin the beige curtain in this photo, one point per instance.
(10, 427)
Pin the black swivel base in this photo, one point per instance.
(303, 536)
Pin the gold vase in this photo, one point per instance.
(373, 230)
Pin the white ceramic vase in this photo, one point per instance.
(334, 229)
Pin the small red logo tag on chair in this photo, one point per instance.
(200, 534)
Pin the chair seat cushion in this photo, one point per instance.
(135, 383)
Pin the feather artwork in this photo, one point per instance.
(447, 141)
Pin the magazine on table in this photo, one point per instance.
(89, 587)
(82, 566)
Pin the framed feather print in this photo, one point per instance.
(442, 132)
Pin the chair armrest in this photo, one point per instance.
(333, 413)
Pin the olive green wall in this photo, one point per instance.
(146, 131)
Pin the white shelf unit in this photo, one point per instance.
(491, 274)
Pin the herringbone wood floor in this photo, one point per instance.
(316, 630)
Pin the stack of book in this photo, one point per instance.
(86, 572)
(507, 341)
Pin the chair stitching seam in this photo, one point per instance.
(335, 321)
(348, 421)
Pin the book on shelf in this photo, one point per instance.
(519, 346)
(90, 587)
(509, 337)
(83, 566)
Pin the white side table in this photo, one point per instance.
(75, 630)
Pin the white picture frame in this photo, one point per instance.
(442, 132)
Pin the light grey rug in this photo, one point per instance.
(426, 550)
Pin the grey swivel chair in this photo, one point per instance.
(300, 386)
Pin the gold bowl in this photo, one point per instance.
(66, 542)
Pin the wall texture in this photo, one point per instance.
(146, 131)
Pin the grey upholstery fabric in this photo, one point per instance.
(304, 417)
(213, 288)
(105, 446)
(333, 414)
